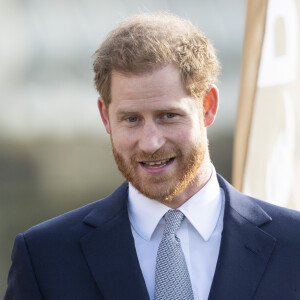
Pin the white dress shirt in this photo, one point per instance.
(199, 233)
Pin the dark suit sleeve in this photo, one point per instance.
(22, 284)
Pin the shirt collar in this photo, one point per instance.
(202, 210)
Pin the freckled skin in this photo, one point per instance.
(151, 118)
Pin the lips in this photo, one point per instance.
(157, 164)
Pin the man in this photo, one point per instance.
(177, 230)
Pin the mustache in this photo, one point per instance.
(160, 154)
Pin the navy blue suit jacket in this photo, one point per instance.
(89, 253)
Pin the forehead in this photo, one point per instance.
(159, 82)
(157, 91)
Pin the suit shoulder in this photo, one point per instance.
(285, 224)
(278, 221)
(72, 223)
(242, 201)
(278, 212)
(62, 222)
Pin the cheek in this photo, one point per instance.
(182, 137)
(185, 135)
(122, 141)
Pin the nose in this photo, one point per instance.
(151, 138)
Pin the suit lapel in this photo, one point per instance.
(110, 252)
(245, 248)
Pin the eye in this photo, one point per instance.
(132, 119)
(170, 115)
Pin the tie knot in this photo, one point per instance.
(173, 220)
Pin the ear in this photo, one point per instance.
(210, 105)
(104, 114)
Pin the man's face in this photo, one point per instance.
(157, 133)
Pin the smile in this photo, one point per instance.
(157, 164)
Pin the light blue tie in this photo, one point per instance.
(172, 280)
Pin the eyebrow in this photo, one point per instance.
(121, 112)
(124, 111)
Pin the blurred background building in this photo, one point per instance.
(54, 153)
